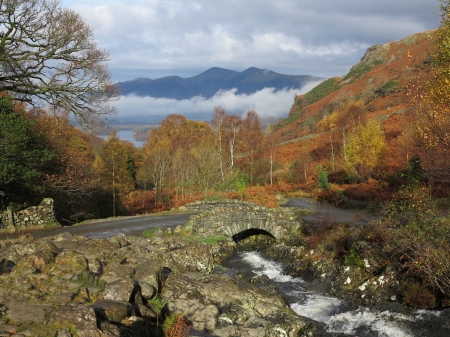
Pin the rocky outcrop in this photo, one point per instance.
(69, 285)
(349, 267)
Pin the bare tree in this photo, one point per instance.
(49, 54)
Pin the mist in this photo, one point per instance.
(267, 103)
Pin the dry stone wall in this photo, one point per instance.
(229, 217)
(31, 216)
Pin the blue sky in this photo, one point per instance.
(154, 38)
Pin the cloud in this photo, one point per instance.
(266, 102)
(154, 38)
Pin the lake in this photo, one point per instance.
(127, 134)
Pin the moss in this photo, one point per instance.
(352, 258)
(49, 329)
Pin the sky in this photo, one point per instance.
(156, 38)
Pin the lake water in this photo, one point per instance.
(128, 136)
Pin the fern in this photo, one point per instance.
(176, 326)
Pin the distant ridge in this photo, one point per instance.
(208, 83)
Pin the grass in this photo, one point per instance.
(361, 69)
(149, 232)
(322, 90)
(213, 239)
(388, 88)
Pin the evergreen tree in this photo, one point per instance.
(22, 154)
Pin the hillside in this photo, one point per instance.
(378, 83)
(208, 83)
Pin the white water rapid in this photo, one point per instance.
(332, 311)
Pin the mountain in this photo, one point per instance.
(208, 83)
(378, 86)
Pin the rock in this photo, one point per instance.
(117, 269)
(121, 290)
(95, 265)
(25, 312)
(148, 291)
(372, 256)
(6, 266)
(196, 257)
(64, 297)
(72, 261)
(82, 317)
(39, 260)
(249, 309)
(8, 328)
(142, 310)
(120, 240)
(147, 274)
(112, 311)
(63, 333)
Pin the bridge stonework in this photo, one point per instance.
(229, 217)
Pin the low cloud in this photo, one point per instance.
(266, 102)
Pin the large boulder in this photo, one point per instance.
(221, 305)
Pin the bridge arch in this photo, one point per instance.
(250, 232)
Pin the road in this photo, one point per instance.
(324, 213)
(135, 225)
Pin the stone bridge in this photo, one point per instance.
(231, 217)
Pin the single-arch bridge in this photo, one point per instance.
(233, 217)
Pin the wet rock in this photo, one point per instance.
(372, 256)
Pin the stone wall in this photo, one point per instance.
(31, 216)
(229, 217)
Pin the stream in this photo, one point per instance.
(310, 300)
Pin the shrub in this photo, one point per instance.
(323, 178)
(417, 296)
(422, 237)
